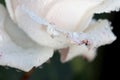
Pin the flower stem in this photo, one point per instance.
(27, 75)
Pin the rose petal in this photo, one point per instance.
(66, 14)
(72, 15)
(73, 52)
(17, 49)
(108, 6)
(38, 6)
(64, 53)
(99, 33)
(58, 12)
(37, 32)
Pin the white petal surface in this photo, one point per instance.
(66, 14)
(99, 33)
(73, 52)
(37, 32)
(17, 49)
(72, 15)
(38, 6)
(108, 6)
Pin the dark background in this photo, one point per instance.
(104, 67)
(111, 58)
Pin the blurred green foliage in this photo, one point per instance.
(2, 1)
(77, 69)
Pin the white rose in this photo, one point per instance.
(42, 26)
